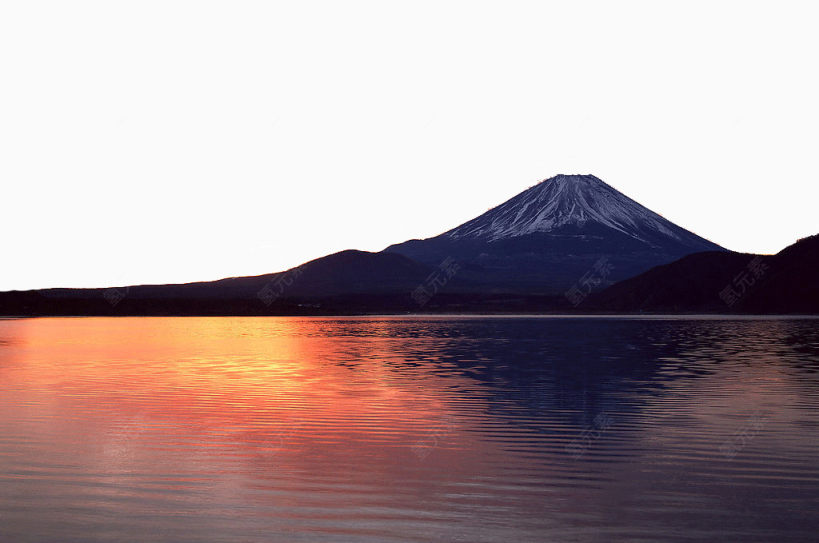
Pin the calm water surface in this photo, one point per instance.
(408, 429)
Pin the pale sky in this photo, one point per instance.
(156, 142)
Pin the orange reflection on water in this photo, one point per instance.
(124, 389)
(254, 429)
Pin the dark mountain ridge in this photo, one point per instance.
(723, 282)
(552, 248)
(547, 237)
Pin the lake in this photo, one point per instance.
(395, 429)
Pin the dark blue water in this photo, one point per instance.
(409, 429)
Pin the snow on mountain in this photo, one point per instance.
(547, 238)
(573, 201)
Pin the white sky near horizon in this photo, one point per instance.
(158, 142)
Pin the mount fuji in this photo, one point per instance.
(550, 236)
(571, 234)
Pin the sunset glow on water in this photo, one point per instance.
(407, 429)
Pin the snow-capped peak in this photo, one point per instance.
(571, 201)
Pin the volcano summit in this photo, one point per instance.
(526, 254)
(546, 238)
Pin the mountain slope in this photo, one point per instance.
(575, 201)
(726, 282)
(547, 248)
(550, 236)
(386, 277)
(790, 284)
